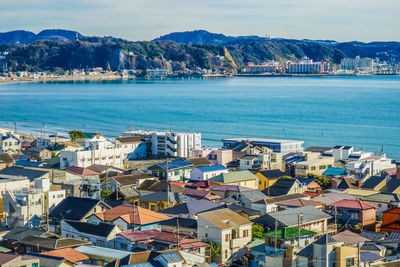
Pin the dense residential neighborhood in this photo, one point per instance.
(160, 198)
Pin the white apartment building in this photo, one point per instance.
(361, 65)
(100, 150)
(370, 166)
(168, 143)
(28, 206)
(306, 65)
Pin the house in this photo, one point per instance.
(10, 143)
(204, 185)
(287, 236)
(20, 172)
(226, 228)
(391, 220)
(374, 248)
(269, 204)
(326, 251)
(5, 160)
(190, 209)
(148, 186)
(185, 225)
(105, 170)
(250, 198)
(332, 172)
(74, 209)
(9, 260)
(52, 261)
(161, 200)
(68, 253)
(201, 194)
(354, 212)
(176, 170)
(392, 186)
(375, 183)
(123, 217)
(310, 218)
(207, 172)
(277, 145)
(215, 156)
(128, 239)
(245, 212)
(239, 178)
(348, 182)
(331, 197)
(268, 178)
(38, 244)
(135, 144)
(39, 154)
(225, 191)
(26, 207)
(312, 163)
(382, 201)
(19, 233)
(296, 203)
(369, 166)
(260, 158)
(82, 172)
(287, 186)
(349, 237)
(134, 179)
(312, 185)
(101, 234)
(100, 255)
(200, 162)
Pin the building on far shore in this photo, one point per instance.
(307, 66)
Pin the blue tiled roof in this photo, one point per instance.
(212, 168)
(24, 162)
(294, 159)
(305, 181)
(369, 256)
(171, 257)
(175, 164)
(334, 171)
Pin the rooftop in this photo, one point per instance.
(223, 218)
(68, 253)
(290, 233)
(264, 140)
(352, 204)
(212, 168)
(232, 177)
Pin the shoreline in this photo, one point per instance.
(114, 77)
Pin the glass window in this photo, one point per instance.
(350, 262)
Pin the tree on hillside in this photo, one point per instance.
(76, 134)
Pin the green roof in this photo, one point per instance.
(289, 233)
(381, 197)
(232, 177)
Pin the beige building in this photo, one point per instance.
(226, 228)
(313, 163)
(239, 178)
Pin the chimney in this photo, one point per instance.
(398, 173)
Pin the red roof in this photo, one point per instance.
(312, 194)
(81, 171)
(391, 171)
(205, 184)
(178, 183)
(139, 235)
(353, 204)
(68, 253)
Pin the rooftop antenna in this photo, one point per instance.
(170, 128)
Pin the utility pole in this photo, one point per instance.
(276, 237)
(299, 219)
(358, 255)
(133, 220)
(15, 127)
(177, 238)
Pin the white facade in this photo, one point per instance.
(98, 150)
(12, 184)
(10, 143)
(67, 231)
(173, 144)
(198, 175)
(306, 65)
(370, 166)
(362, 65)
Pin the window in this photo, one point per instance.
(349, 262)
(322, 167)
(245, 233)
(124, 246)
(227, 237)
(313, 168)
(100, 243)
(35, 264)
(206, 234)
(354, 215)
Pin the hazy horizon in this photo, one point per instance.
(137, 20)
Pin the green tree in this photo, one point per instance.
(215, 249)
(105, 194)
(325, 181)
(76, 134)
(257, 231)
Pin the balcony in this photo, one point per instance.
(332, 228)
(239, 242)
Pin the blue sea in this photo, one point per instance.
(362, 111)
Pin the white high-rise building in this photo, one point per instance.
(100, 150)
(362, 65)
(168, 143)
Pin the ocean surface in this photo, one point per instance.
(362, 111)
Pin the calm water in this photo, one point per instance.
(359, 111)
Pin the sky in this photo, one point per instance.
(341, 20)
